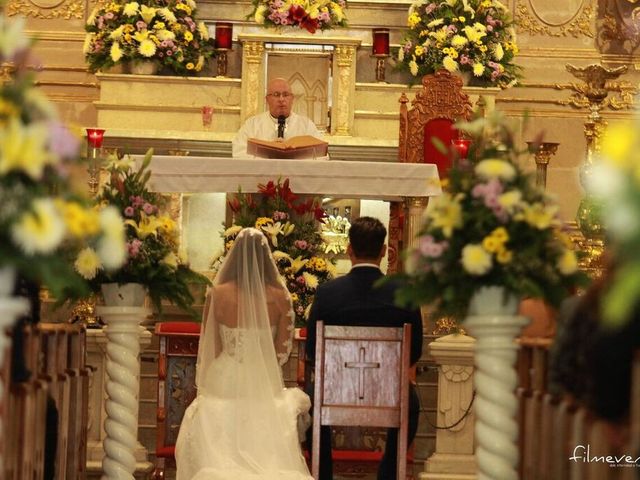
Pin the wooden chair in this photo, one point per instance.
(176, 385)
(434, 110)
(362, 379)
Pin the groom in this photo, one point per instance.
(354, 300)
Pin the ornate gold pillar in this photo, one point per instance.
(344, 87)
(414, 206)
(253, 68)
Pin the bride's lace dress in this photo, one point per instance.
(229, 435)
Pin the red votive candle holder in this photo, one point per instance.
(95, 136)
(224, 35)
(381, 41)
(462, 146)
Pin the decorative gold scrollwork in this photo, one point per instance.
(65, 9)
(580, 25)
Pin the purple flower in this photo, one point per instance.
(61, 141)
(129, 211)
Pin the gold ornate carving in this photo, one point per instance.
(579, 25)
(624, 93)
(394, 244)
(66, 9)
(253, 51)
(344, 55)
(621, 27)
(440, 97)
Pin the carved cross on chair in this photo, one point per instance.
(361, 364)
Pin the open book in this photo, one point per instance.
(304, 146)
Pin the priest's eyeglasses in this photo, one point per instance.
(284, 95)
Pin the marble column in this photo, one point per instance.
(253, 70)
(97, 358)
(344, 82)
(454, 458)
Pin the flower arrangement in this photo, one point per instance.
(615, 183)
(475, 36)
(44, 223)
(310, 15)
(291, 226)
(161, 31)
(491, 227)
(151, 239)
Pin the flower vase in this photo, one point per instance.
(10, 309)
(494, 322)
(143, 68)
(123, 295)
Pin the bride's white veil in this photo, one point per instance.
(251, 380)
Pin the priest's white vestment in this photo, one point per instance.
(264, 127)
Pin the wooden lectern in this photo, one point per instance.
(304, 146)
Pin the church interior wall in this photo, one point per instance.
(551, 34)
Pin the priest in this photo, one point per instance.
(278, 122)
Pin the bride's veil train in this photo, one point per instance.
(242, 425)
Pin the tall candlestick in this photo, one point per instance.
(224, 42)
(380, 50)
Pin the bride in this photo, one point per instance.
(242, 424)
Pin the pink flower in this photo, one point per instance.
(129, 212)
(61, 141)
(148, 208)
(300, 280)
(109, 15)
(133, 247)
(301, 244)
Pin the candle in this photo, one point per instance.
(462, 146)
(381, 41)
(224, 34)
(95, 136)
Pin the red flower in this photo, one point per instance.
(234, 205)
(319, 213)
(304, 207)
(297, 13)
(269, 190)
(286, 194)
(310, 24)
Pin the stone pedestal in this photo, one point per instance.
(453, 458)
(96, 358)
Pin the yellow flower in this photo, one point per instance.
(130, 9)
(446, 214)
(167, 223)
(310, 280)
(115, 52)
(272, 231)
(540, 216)
(23, 148)
(228, 245)
(413, 67)
(476, 260)
(87, 263)
(190, 66)
(568, 263)
(117, 33)
(147, 13)
(232, 231)
(419, 50)
(112, 244)
(203, 31)
(478, 69)
(495, 168)
(317, 264)
(147, 48)
(462, 19)
(435, 23)
(294, 297)
(40, 230)
(498, 52)
(188, 36)
(450, 64)
(200, 63)
(500, 234)
(491, 244)
(413, 20)
(167, 14)
(504, 256)
(261, 221)
(79, 221)
(148, 225)
(159, 26)
(165, 35)
(459, 41)
(297, 264)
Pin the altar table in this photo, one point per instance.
(406, 185)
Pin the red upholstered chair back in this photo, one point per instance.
(439, 104)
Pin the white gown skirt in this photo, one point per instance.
(218, 440)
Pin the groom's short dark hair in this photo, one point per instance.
(366, 236)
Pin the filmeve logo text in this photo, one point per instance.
(583, 454)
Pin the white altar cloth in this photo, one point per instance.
(379, 180)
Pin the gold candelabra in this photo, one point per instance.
(542, 153)
(594, 90)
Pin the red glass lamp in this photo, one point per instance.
(95, 137)
(224, 42)
(461, 146)
(380, 50)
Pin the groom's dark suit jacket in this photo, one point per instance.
(354, 301)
